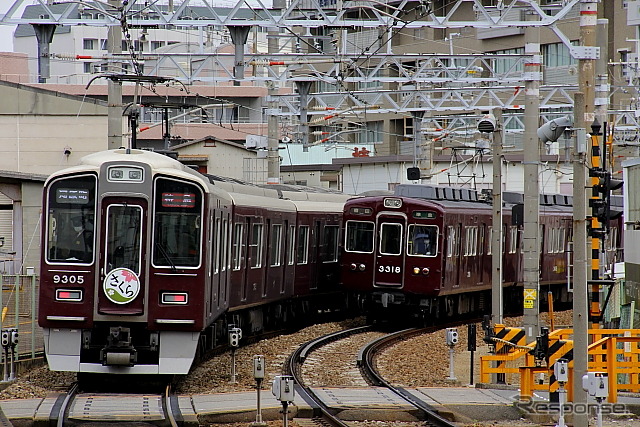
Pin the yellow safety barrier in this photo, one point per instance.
(614, 351)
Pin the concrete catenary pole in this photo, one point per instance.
(497, 305)
(531, 246)
(273, 141)
(114, 88)
(584, 114)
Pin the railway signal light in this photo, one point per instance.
(601, 207)
(234, 337)
(14, 337)
(6, 337)
(452, 337)
(487, 124)
(413, 174)
(553, 129)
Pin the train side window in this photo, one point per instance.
(451, 239)
(303, 244)
(275, 251)
(359, 236)
(490, 239)
(390, 239)
(237, 246)
(292, 245)
(513, 239)
(225, 245)
(422, 240)
(255, 247)
(331, 243)
(217, 234)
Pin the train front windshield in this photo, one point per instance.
(178, 224)
(70, 224)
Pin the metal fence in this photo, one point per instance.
(19, 302)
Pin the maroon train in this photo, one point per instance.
(147, 262)
(426, 251)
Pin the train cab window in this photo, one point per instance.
(390, 239)
(275, 249)
(331, 243)
(124, 237)
(70, 220)
(359, 236)
(178, 224)
(302, 252)
(422, 240)
(255, 246)
(238, 234)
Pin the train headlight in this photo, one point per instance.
(416, 270)
(362, 267)
(353, 267)
(425, 271)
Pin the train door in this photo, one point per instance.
(390, 254)
(121, 288)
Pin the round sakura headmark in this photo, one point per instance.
(121, 285)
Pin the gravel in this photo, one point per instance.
(429, 368)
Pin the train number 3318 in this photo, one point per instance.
(388, 269)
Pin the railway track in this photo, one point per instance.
(77, 409)
(366, 361)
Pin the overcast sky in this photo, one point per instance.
(6, 31)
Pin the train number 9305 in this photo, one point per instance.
(388, 269)
(71, 279)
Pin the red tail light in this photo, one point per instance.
(175, 298)
(72, 295)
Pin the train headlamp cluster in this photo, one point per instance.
(393, 203)
(360, 267)
(423, 270)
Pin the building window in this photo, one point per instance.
(87, 67)
(156, 44)
(89, 44)
(557, 55)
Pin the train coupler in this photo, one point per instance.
(118, 350)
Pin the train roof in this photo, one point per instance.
(314, 206)
(159, 162)
(258, 201)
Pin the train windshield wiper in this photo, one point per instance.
(167, 257)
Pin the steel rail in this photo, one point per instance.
(294, 364)
(366, 361)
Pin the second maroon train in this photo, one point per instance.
(426, 252)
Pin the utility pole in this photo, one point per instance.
(497, 304)
(531, 143)
(273, 141)
(114, 88)
(584, 113)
